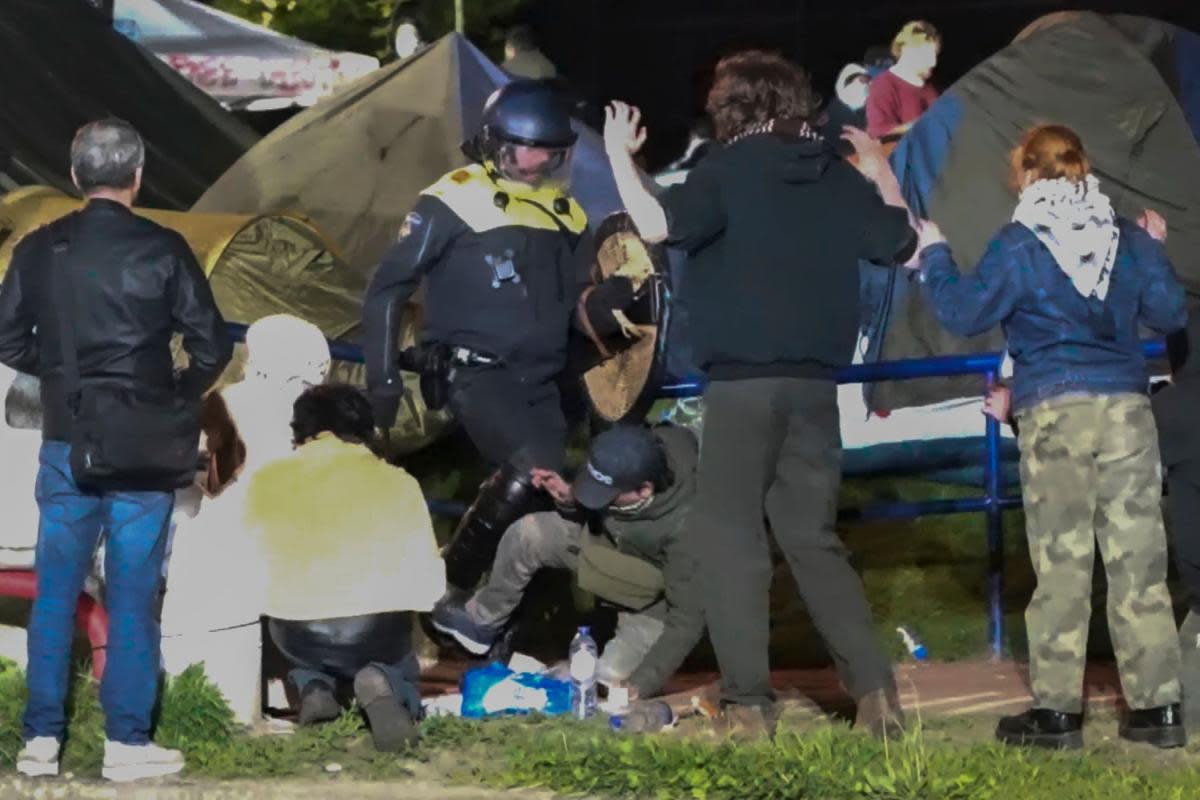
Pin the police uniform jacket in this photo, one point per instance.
(503, 267)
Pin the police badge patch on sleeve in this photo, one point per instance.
(411, 223)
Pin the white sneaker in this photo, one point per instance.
(39, 757)
(131, 762)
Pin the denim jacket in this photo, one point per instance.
(1060, 342)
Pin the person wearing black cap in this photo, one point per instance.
(504, 253)
(619, 527)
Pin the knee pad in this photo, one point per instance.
(505, 497)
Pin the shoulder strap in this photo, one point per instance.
(64, 302)
(586, 321)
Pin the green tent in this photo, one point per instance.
(1121, 83)
(356, 162)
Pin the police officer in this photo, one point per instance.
(505, 255)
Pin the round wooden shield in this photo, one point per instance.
(624, 384)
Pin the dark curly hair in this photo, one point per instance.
(336, 408)
(754, 86)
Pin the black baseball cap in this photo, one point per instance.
(620, 460)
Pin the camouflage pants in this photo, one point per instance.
(547, 540)
(1090, 474)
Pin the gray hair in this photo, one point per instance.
(106, 154)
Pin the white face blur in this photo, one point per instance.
(921, 57)
(854, 93)
(407, 40)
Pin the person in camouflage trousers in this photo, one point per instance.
(1071, 282)
(1091, 474)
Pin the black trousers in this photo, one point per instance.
(332, 651)
(1183, 504)
(772, 447)
(510, 419)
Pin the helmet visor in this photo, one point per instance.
(536, 166)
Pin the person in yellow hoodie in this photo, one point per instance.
(349, 550)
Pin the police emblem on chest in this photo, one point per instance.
(503, 270)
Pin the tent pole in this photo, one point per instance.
(460, 21)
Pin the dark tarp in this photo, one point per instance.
(1099, 75)
(61, 66)
(356, 162)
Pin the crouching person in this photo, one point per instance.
(349, 549)
(620, 529)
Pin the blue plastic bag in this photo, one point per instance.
(496, 689)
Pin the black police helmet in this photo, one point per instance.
(530, 113)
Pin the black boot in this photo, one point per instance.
(505, 497)
(1161, 726)
(392, 725)
(318, 704)
(1042, 727)
(1189, 672)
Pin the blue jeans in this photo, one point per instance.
(135, 526)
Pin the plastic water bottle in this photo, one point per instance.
(645, 717)
(914, 645)
(582, 657)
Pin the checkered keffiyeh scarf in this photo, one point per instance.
(1076, 222)
(797, 128)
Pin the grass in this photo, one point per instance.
(947, 760)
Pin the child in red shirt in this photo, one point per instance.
(902, 94)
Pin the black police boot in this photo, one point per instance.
(505, 497)
(1042, 727)
(1161, 726)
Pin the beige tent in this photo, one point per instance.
(257, 265)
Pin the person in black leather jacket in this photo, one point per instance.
(133, 285)
(504, 253)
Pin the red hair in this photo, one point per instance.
(1050, 152)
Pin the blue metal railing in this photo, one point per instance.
(993, 503)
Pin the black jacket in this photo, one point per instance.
(500, 278)
(775, 226)
(135, 285)
(1177, 406)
